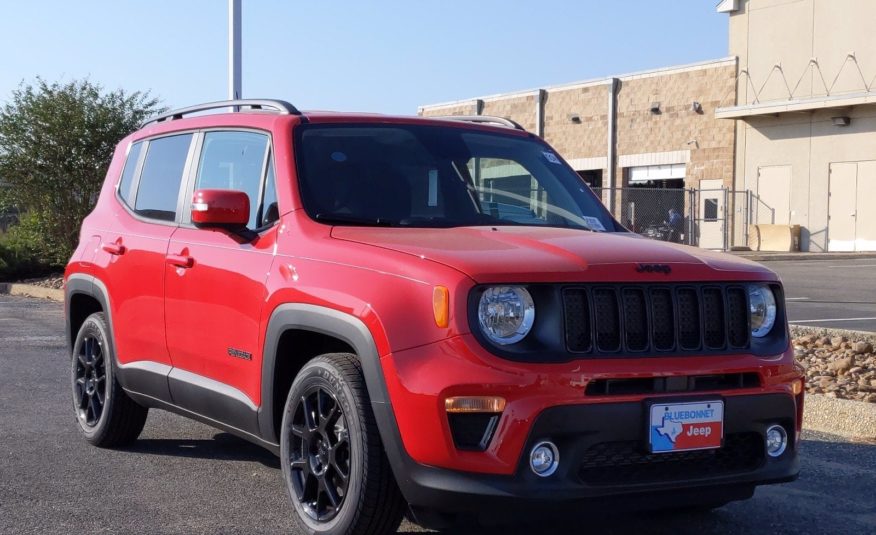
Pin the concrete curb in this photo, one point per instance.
(842, 417)
(29, 290)
(765, 257)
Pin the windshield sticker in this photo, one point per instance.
(339, 156)
(594, 223)
(433, 188)
(551, 157)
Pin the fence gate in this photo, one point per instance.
(711, 216)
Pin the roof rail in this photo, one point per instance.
(281, 106)
(481, 119)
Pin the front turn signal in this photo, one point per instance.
(469, 404)
(441, 306)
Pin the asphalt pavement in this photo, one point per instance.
(184, 477)
(840, 294)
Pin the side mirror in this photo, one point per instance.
(220, 208)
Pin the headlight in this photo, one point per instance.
(762, 305)
(506, 314)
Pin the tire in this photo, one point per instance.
(335, 469)
(106, 415)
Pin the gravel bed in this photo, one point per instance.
(840, 364)
(52, 281)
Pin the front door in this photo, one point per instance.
(214, 299)
(865, 229)
(774, 194)
(711, 214)
(841, 207)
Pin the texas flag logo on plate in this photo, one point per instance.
(686, 426)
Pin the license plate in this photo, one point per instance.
(686, 426)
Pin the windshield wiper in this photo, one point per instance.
(344, 219)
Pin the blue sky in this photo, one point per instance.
(382, 55)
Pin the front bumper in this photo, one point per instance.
(620, 466)
(549, 401)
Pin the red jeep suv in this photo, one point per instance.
(431, 317)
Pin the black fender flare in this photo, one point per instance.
(79, 283)
(356, 334)
(322, 320)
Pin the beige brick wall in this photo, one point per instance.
(587, 139)
(462, 108)
(640, 131)
(518, 108)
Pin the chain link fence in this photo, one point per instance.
(717, 219)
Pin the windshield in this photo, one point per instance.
(432, 176)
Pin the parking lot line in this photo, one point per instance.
(853, 266)
(832, 319)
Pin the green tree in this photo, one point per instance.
(56, 143)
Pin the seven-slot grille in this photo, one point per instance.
(652, 319)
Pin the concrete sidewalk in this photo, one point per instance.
(766, 256)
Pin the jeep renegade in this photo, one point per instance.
(424, 316)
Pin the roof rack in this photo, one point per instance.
(481, 119)
(281, 106)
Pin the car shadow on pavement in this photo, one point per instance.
(223, 446)
(832, 495)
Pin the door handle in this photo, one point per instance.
(180, 261)
(114, 248)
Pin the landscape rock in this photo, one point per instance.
(862, 347)
(840, 364)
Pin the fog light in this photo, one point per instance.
(544, 459)
(776, 440)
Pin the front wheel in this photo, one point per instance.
(334, 465)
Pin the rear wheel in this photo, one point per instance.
(106, 415)
(334, 465)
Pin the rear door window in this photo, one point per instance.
(158, 191)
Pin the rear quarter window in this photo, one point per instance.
(126, 184)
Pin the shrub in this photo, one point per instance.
(56, 143)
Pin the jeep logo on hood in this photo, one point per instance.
(666, 269)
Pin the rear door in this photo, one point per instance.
(132, 254)
(214, 306)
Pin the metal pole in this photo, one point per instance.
(725, 222)
(234, 50)
(539, 112)
(692, 206)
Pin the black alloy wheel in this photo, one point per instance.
(90, 381)
(105, 414)
(319, 453)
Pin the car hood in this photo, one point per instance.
(549, 254)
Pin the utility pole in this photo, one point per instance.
(234, 51)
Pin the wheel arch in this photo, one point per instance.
(83, 296)
(315, 323)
